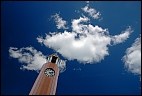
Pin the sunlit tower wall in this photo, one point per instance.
(47, 79)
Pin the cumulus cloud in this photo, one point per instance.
(77, 26)
(132, 58)
(85, 43)
(31, 58)
(91, 12)
(77, 69)
(87, 2)
(60, 23)
(122, 37)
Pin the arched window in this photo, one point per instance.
(54, 58)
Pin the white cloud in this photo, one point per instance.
(31, 58)
(77, 69)
(60, 23)
(132, 57)
(122, 37)
(87, 1)
(40, 39)
(86, 43)
(91, 12)
(77, 27)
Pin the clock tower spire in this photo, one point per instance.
(46, 81)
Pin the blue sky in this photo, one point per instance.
(22, 22)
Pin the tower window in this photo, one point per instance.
(54, 59)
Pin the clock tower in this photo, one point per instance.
(46, 81)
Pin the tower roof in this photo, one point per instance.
(54, 58)
(54, 54)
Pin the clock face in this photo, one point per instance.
(49, 72)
